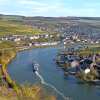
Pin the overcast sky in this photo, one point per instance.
(89, 8)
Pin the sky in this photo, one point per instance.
(51, 8)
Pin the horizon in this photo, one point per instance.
(50, 8)
(52, 16)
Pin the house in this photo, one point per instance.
(17, 39)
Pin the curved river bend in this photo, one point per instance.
(20, 70)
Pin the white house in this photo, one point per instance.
(17, 39)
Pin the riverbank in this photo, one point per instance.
(17, 91)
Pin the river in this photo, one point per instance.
(20, 70)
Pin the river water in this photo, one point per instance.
(20, 70)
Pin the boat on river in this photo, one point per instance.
(35, 66)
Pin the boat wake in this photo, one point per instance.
(50, 85)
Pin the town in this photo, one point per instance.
(47, 39)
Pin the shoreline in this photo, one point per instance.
(11, 83)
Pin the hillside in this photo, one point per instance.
(89, 26)
(10, 26)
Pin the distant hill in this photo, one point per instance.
(89, 26)
(17, 17)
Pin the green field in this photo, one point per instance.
(14, 27)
